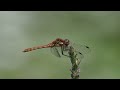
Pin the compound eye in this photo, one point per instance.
(66, 41)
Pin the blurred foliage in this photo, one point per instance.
(99, 30)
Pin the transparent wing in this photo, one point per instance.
(54, 51)
(58, 53)
(66, 53)
(81, 48)
(79, 55)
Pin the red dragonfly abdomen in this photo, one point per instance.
(38, 47)
(58, 42)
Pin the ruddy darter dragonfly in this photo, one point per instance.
(60, 47)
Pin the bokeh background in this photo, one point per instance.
(100, 30)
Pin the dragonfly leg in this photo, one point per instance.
(63, 53)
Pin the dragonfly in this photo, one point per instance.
(60, 48)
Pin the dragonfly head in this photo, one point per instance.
(67, 42)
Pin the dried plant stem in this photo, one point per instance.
(75, 64)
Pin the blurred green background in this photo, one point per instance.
(23, 29)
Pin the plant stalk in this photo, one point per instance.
(75, 70)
